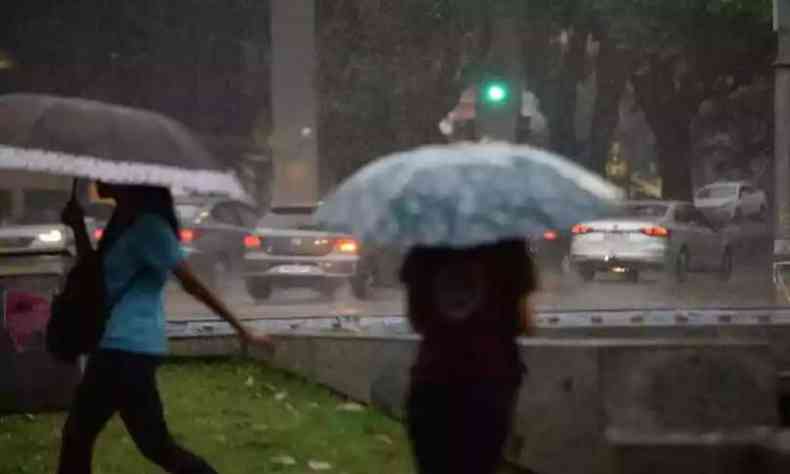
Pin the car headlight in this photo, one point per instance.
(52, 237)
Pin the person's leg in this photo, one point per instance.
(429, 427)
(142, 413)
(93, 405)
(484, 422)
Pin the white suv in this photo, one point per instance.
(732, 200)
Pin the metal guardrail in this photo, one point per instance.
(757, 316)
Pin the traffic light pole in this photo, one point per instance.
(497, 117)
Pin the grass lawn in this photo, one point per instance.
(242, 417)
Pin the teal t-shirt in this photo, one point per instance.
(138, 265)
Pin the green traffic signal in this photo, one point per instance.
(495, 93)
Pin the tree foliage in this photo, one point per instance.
(688, 52)
(389, 72)
(204, 62)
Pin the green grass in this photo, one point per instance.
(240, 416)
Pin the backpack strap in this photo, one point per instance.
(124, 290)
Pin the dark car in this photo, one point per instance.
(550, 250)
(212, 235)
(287, 250)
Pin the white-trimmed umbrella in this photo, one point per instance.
(465, 195)
(95, 140)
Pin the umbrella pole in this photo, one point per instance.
(82, 241)
(74, 186)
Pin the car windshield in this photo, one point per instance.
(289, 218)
(717, 192)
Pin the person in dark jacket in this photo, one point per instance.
(140, 249)
(469, 306)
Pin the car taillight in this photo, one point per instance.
(550, 235)
(656, 231)
(252, 242)
(346, 246)
(98, 234)
(581, 229)
(188, 236)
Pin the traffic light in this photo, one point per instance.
(495, 93)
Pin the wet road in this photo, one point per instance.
(749, 286)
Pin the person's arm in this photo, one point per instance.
(193, 286)
(527, 317)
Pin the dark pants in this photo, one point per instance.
(122, 382)
(460, 428)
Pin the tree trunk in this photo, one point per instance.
(561, 113)
(612, 67)
(674, 155)
(670, 104)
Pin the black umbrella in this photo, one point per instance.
(89, 139)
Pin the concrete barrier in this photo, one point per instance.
(776, 336)
(575, 391)
(683, 453)
(759, 450)
(32, 381)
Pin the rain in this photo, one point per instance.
(595, 193)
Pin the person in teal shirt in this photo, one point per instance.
(140, 249)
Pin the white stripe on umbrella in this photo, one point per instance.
(120, 172)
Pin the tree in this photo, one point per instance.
(676, 55)
(688, 52)
(556, 38)
(389, 70)
(204, 63)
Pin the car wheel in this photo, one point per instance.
(362, 285)
(220, 276)
(725, 270)
(565, 265)
(737, 216)
(587, 274)
(680, 267)
(259, 289)
(633, 276)
(328, 289)
(763, 215)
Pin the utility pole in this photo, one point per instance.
(294, 102)
(781, 194)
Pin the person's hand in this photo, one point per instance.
(263, 341)
(73, 215)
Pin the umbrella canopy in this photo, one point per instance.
(465, 195)
(89, 139)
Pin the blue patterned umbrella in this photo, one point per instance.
(465, 195)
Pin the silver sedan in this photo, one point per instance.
(669, 236)
(35, 249)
